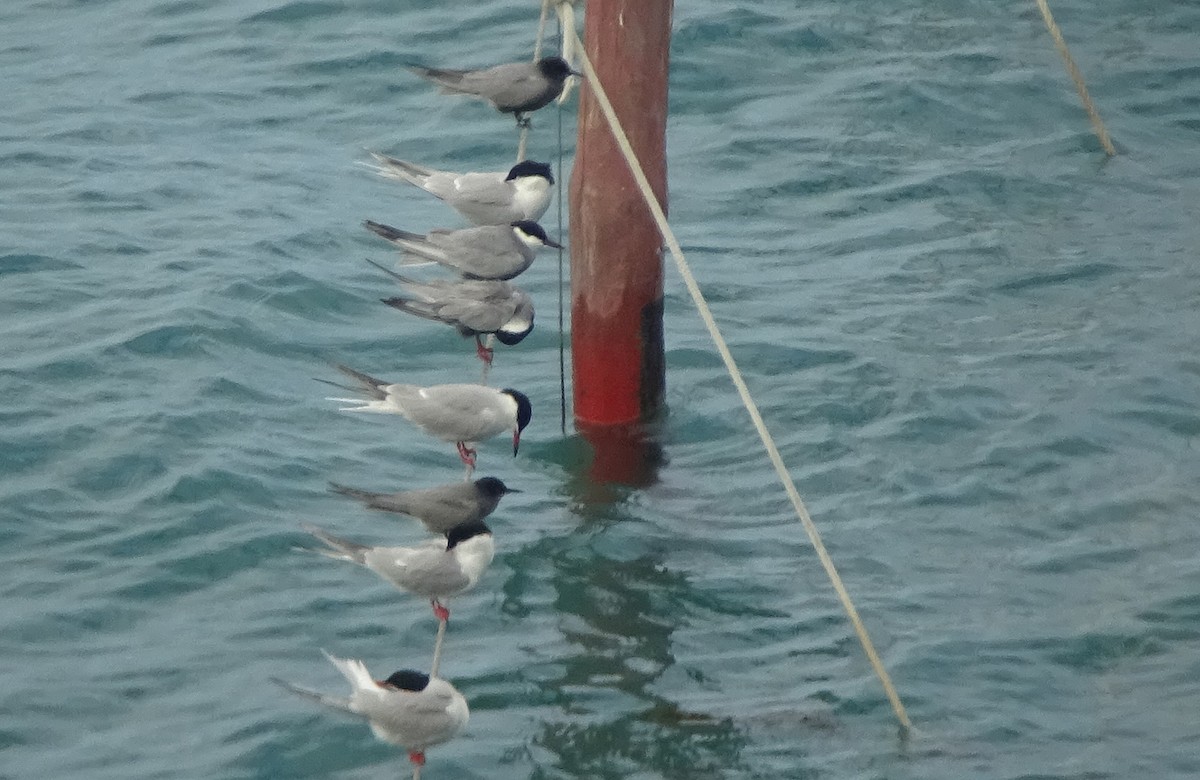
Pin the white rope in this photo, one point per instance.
(433, 672)
(541, 33)
(566, 20)
(565, 17)
(437, 649)
(489, 343)
(523, 137)
(693, 288)
(522, 144)
(1073, 71)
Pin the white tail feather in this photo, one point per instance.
(365, 405)
(335, 702)
(354, 671)
(391, 173)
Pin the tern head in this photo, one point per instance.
(464, 531)
(530, 168)
(510, 337)
(531, 234)
(524, 414)
(406, 680)
(556, 68)
(517, 328)
(493, 487)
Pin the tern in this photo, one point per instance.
(464, 414)
(472, 306)
(512, 88)
(438, 508)
(409, 708)
(495, 198)
(485, 252)
(436, 569)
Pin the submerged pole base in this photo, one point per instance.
(626, 455)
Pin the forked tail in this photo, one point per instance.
(335, 702)
(399, 170)
(338, 548)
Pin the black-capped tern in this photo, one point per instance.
(437, 569)
(485, 252)
(409, 708)
(464, 414)
(494, 198)
(512, 88)
(472, 306)
(438, 508)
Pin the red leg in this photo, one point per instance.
(482, 352)
(417, 757)
(467, 454)
(439, 611)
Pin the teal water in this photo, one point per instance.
(973, 338)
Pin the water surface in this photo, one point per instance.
(973, 337)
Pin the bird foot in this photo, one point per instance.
(417, 757)
(440, 612)
(466, 454)
(483, 353)
(523, 122)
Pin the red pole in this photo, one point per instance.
(616, 267)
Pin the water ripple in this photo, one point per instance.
(971, 335)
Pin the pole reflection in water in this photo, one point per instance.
(618, 617)
(616, 606)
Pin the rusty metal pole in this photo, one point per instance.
(616, 264)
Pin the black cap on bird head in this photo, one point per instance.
(493, 487)
(530, 168)
(464, 531)
(531, 228)
(524, 414)
(555, 68)
(510, 337)
(407, 680)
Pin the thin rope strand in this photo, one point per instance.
(523, 135)
(541, 33)
(693, 288)
(1072, 70)
(437, 649)
(562, 330)
(565, 11)
(522, 143)
(490, 343)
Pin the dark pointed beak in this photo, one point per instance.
(516, 444)
(508, 490)
(553, 243)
